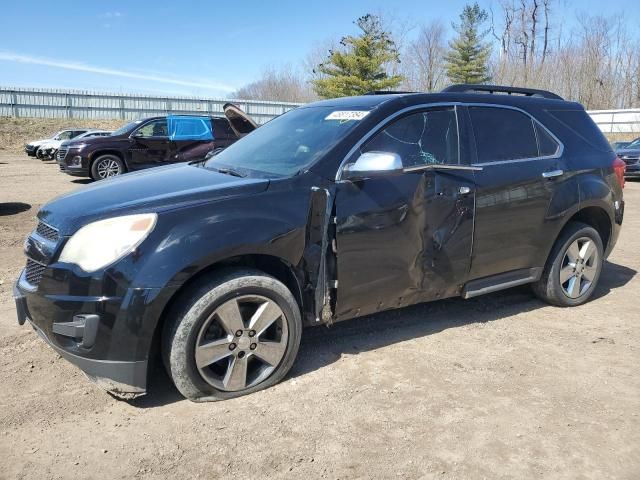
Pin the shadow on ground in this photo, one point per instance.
(13, 208)
(322, 346)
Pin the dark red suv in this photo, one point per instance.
(153, 142)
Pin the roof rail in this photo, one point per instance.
(528, 92)
(388, 92)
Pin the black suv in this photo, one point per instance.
(334, 210)
(153, 142)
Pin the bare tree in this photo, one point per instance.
(278, 84)
(424, 66)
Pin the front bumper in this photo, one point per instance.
(66, 165)
(30, 150)
(118, 355)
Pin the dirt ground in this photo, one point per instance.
(502, 386)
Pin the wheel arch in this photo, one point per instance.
(272, 265)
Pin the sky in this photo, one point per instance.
(197, 48)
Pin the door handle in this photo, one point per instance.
(553, 173)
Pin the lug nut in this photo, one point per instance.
(252, 333)
(232, 346)
(253, 346)
(241, 354)
(239, 333)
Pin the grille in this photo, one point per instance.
(33, 272)
(45, 231)
(630, 160)
(62, 152)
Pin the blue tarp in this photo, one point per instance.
(182, 127)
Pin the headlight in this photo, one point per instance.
(101, 243)
(78, 147)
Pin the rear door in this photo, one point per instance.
(150, 145)
(406, 238)
(191, 137)
(522, 168)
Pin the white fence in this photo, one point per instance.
(617, 121)
(54, 103)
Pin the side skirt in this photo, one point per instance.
(501, 281)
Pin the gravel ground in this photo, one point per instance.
(502, 386)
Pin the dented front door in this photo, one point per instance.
(407, 238)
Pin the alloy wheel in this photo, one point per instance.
(108, 167)
(241, 343)
(579, 267)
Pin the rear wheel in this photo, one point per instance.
(233, 334)
(574, 266)
(107, 166)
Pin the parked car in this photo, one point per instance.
(64, 146)
(31, 148)
(154, 142)
(334, 210)
(618, 145)
(630, 155)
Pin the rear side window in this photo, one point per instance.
(424, 138)
(503, 134)
(582, 125)
(546, 144)
(189, 128)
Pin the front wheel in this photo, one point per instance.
(234, 333)
(106, 166)
(573, 268)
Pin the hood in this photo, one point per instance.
(628, 152)
(37, 143)
(241, 123)
(95, 140)
(151, 190)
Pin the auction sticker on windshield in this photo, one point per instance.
(347, 115)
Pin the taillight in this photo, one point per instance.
(619, 167)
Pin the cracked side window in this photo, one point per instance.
(424, 138)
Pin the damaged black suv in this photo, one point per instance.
(334, 210)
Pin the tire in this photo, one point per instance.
(107, 166)
(39, 154)
(239, 360)
(573, 268)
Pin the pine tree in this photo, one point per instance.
(359, 67)
(468, 56)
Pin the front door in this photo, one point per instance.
(150, 145)
(406, 238)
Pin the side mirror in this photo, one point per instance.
(373, 164)
(137, 134)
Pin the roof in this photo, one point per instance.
(372, 101)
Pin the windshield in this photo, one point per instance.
(288, 144)
(64, 135)
(126, 128)
(634, 144)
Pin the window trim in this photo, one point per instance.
(423, 106)
(558, 153)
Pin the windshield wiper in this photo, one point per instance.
(229, 171)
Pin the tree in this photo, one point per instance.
(467, 60)
(424, 67)
(283, 84)
(359, 65)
